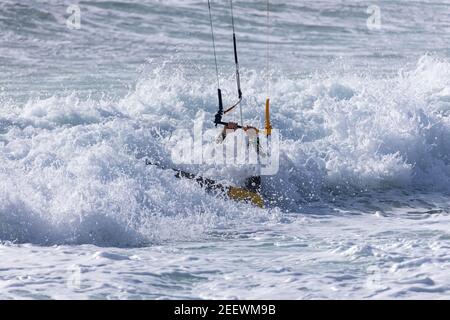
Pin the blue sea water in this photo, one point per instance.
(360, 203)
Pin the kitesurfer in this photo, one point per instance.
(252, 183)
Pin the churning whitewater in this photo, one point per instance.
(358, 209)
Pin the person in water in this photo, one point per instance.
(252, 183)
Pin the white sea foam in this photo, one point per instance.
(73, 170)
(359, 208)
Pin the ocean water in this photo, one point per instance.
(360, 206)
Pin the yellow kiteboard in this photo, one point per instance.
(234, 193)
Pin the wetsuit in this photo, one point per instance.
(252, 183)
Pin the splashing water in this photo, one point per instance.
(358, 208)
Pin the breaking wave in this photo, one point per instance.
(72, 169)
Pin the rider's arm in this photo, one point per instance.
(229, 126)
